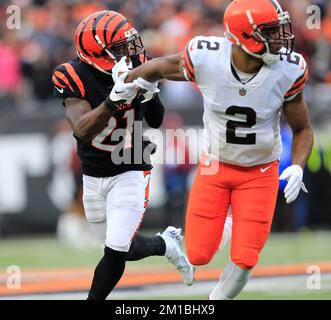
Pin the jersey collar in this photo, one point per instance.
(254, 83)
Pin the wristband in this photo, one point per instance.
(110, 105)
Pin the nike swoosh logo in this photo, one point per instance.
(60, 90)
(263, 170)
(118, 92)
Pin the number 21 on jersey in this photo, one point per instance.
(97, 142)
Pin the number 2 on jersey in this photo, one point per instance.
(97, 142)
(232, 125)
(210, 46)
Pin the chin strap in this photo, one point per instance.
(92, 63)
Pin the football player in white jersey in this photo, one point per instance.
(246, 79)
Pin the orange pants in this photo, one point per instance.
(252, 193)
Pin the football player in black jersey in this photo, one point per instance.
(115, 193)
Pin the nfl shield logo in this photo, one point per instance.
(242, 92)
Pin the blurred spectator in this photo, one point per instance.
(73, 228)
(10, 70)
(176, 169)
(47, 35)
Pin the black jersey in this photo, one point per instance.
(78, 79)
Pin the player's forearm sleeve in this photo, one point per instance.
(154, 112)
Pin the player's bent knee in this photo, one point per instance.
(246, 258)
(119, 239)
(121, 247)
(114, 253)
(198, 259)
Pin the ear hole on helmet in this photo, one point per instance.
(246, 36)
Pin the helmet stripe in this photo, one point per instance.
(81, 36)
(277, 6)
(96, 21)
(106, 26)
(119, 26)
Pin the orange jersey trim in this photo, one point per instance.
(299, 84)
(75, 78)
(301, 79)
(188, 65)
(64, 79)
(56, 82)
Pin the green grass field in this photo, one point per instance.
(46, 252)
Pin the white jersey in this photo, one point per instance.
(241, 121)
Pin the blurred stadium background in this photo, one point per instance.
(42, 226)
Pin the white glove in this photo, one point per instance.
(124, 92)
(120, 67)
(148, 89)
(293, 175)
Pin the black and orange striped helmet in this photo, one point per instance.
(104, 37)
